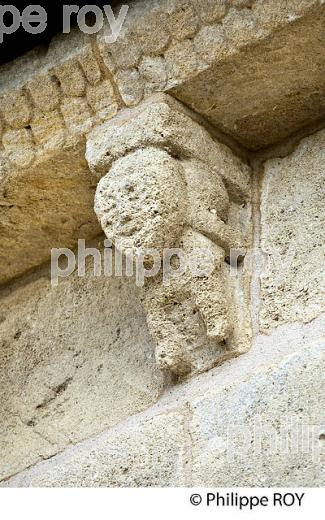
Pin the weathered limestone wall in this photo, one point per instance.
(166, 44)
(75, 359)
(89, 377)
(187, 444)
(292, 235)
(202, 53)
(96, 328)
(93, 367)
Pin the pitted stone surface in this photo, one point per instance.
(162, 123)
(75, 360)
(293, 236)
(200, 52)
(200, 49)
(167, 188)
(142, 201)
(79, 359)
(251, 432)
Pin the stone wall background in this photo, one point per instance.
(79, 384)
(77, 360)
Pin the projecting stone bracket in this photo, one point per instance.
(166, 186)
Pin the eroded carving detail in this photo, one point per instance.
(159, 195)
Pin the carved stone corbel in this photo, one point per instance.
(166, 184)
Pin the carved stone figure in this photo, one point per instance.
(153, 200)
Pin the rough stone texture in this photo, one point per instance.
(154, 72)
(46, 187)
(101, 98)
(269, 408)
(167, 191)
(209, 50)
(75, 359)
(78, 359)
(157, 123)
(187, 445)
(200, 52)
(147, 454)
(253, 48)
(292, 235)
(130, 86)
(54, 211)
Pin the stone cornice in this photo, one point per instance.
(52, 98)
(244, 66)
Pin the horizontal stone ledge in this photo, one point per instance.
(50, 102)
(47, 193)
(212, 441)
(243, 64)
(262, 84)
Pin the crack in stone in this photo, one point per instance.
(188, 445)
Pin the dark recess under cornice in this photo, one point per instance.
(20, 42)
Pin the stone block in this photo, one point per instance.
(266, 430)
(16, 108)
(45, 92)
(292, 235)
(48, 204)
(101, 98)
(244, 57)
(130, 86)
(148, 454)
(75, 360)
(71, 78)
